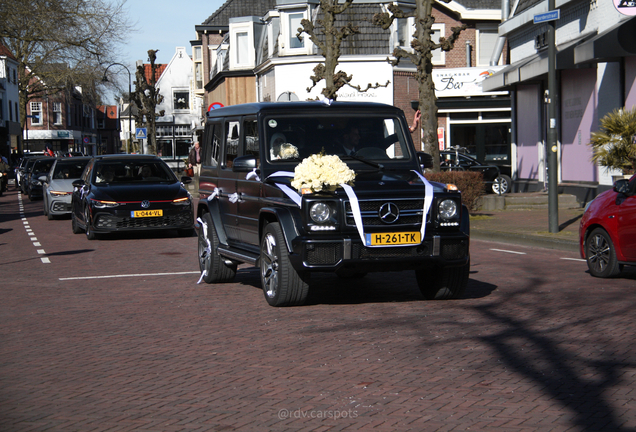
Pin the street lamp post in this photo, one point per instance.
(105, 79)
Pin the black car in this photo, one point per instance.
(40, 167)
(296, 188)
(493, 179)
(130, 193)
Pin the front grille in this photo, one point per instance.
(454, 249)
(61, 207)
(114, 222)
(411, 211)
(358, 251)
(323, 253)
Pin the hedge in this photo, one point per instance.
(470, 183)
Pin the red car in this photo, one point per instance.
(608, 230)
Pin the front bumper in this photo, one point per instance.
(59, 205)
(121, 220)
(350, 253)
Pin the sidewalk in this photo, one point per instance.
(528, 227)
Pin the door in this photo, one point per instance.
(249, 186)
(227, 180)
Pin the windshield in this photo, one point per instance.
(69, 169)
(138, 171)
(376, 138)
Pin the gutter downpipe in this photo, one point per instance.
(501, 40)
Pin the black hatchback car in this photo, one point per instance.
(130, 193)
(451, 160)
(40, 167)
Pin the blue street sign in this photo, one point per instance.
(141, 133)
(547, 16)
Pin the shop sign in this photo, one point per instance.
(463, 81)
(63, 134)
(626, 7)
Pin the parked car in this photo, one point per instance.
(25, 171)
(130, 193)
(493, 179)
(33, 184)
(57, 185)
(607, 233)
(252, 209)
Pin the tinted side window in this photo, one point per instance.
(250, 128)
(212, 144)
(231, 142)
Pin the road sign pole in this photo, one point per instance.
(553, 167)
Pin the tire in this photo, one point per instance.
(217, 270)
(74, 226)
(600, 255)
(49, 216)
(282, 285)
(443, 283)
(45, 207)
(89, 232)
(506, 184)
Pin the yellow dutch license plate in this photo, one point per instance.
(393, 239)
(146, 213)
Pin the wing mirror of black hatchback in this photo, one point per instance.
(426, 160)
(78, 183)
(245, 163)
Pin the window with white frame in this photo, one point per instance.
(198, 67)
(242, 54)
(36, 112)
(181, 100)
(486, 41)
(57, 113)
(291, 43)
(439, 56)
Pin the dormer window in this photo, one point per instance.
(290, 42)
(242, 50)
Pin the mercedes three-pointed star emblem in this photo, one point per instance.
(389, 213)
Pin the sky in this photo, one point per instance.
(164, 25)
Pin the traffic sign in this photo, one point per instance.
(86, 140)
(547, 16)
(142, 133)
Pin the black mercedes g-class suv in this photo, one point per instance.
(261, 201)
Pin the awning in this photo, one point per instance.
(614, 43)
(535, 65)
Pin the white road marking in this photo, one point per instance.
(41, 251)
(508, 251)
(45, 260)
(574, 259)
(129, 275)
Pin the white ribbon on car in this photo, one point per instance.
(215, 194)
(208, 248)
(252, 175)
(234, 197)
(355, 205)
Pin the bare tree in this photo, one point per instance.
(60, 43)
(146, 97)
(328, 38)
(423, 47)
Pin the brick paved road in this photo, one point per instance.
(536, 344)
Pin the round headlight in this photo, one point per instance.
(447, 209)
(320, 212)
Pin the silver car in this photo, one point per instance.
(57, 185)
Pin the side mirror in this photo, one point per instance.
(78, 183)
(186, 180)
(621, 186)
(426, 160)
(43, 178)
(244, 163)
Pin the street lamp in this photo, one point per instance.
(105, 79)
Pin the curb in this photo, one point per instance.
(525, 240)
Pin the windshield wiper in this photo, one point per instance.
(368, 162)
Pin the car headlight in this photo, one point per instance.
(447, 209)
(59, 193)
(105, 204)
(320, 212)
